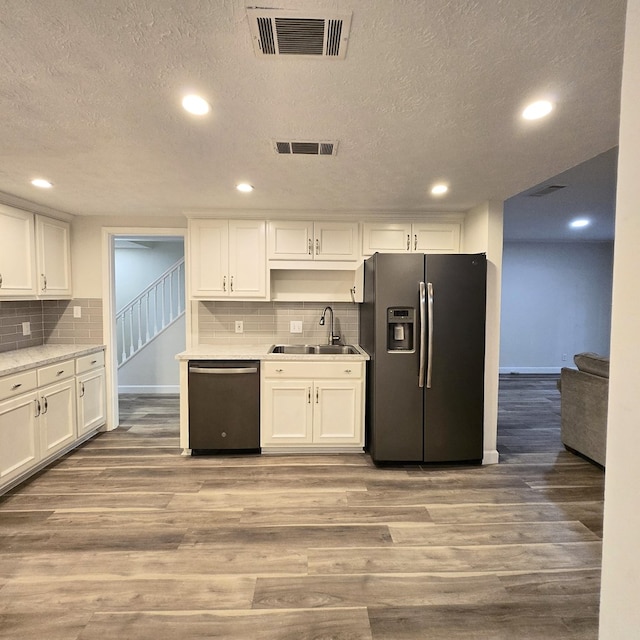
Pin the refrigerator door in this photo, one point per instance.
(394, 400)
(454, 402)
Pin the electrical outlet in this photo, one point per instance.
(77, 312)
(295, 326)
(26, 328)
(239, 326)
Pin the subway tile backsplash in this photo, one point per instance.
(51, 322)
(269, 322)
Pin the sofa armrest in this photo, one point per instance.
(583, 411)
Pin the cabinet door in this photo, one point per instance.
(337, 414)
(91, 400)
(209, 258)
(386, 238)
(336, 241)
(17, 258)
(57, 417)
(291, 240)
(53, 258)
(438, 237)
(19, 446)
(287, 412)
(247, 259)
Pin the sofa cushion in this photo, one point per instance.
(592, 363)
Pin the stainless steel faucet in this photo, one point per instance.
(333, 339)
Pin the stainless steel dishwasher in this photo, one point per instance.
(224, 406)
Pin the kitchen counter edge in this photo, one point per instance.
(261, 352)
(31, 357)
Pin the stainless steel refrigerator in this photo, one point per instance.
(422, 323)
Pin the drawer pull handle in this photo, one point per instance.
(308, 395)
(16, 386)
(46, 405)
(37, 407)
(279, 370)
(93, 361)
(60, 372)
(82, 389)
(347, 370)
(317, 394)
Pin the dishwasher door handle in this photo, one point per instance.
(223, 371)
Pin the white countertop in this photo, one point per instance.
(21, 359)
(259, 352)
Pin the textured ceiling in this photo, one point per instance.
(90, 97)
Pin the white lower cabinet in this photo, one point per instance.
(91, 400)
(312, 405)
(42, 415)
(19, 442)
(57, 405)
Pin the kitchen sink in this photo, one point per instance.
(314, 349)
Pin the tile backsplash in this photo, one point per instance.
(12, 315)
(51, 322)
(269, 322)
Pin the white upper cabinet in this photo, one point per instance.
(53, 258)
(420, 237)
(305, 240)
(17, 253)
(35, 257)
(227, 258)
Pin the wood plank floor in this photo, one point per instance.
(125, 538)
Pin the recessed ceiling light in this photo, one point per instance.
(244, 187)
(439, 189)
(195, 105)
(41, 183)
(536, 110)
(579, 223)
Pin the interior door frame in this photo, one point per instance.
(109, 234)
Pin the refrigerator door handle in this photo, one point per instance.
(423, 333)
(430, 313)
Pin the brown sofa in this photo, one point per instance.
(583, 406)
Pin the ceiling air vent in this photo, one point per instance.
(306, 148)
(278, 32)
(545, 191)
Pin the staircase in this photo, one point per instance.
(151, 312)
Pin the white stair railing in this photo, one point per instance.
(151, 312)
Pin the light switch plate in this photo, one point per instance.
(26, 328)
(239, 326)
(77, 312)
(295, 326)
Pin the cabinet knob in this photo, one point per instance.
(224, 434)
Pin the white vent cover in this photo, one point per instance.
(299, 147)
(278, 32)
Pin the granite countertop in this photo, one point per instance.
(21, 359)
(259, 352)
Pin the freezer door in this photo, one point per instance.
(454, 401)
(394, 399)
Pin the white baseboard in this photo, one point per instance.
(530, 369)
(150, 389)
(490, 457)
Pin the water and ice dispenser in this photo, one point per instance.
(401, 328)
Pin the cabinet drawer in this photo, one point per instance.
(312, 369)
(17, 383)
(91, 361)
(55, 372)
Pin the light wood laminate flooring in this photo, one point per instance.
(125, 538)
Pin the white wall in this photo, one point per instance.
(87, 260)
(556, 299)
(620, 597)
(483, 233)
(137, 268)
(154, 369)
